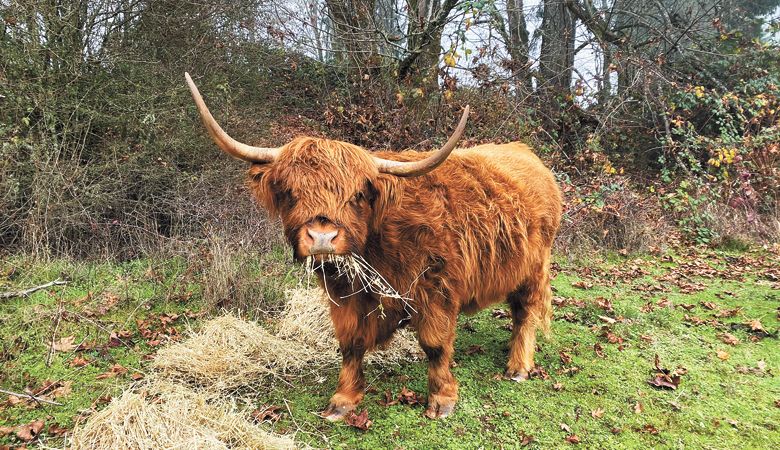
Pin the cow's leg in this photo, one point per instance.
(352, 383)
(436, 333)
(530, 306)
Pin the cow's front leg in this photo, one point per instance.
(437, 338)
(352, 383)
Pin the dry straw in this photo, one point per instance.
(187, 400)
(165, 415)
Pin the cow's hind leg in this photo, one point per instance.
(436, 333)
(531, 307)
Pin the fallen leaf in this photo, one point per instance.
(557, 386)
(525, 439)
(638, 408)
(722, 355)
(728, 312)
(565, 427)
(609, 320)
(709, 305)
(599, 350)
(582, 284)
(137, 376)
(57, 431)
(408, 397)
(6, 430)
(539, 372)
(573, 439)
(597, 413)
(665, 378)
(755, 325)
(63, 389)
(114, 371)
(267, 414)
(388, 400)
(500, 313)
(565, 357)
(359, 421)
(649, 428)
(64, 345)
(728, 338)
(475, 349)
(30, 431)
(78, 361)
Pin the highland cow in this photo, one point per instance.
(453, 230)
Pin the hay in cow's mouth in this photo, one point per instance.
(356, 269)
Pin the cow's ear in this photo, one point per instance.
(262, 188)
(385, 194)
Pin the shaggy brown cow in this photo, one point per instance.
(476, 231)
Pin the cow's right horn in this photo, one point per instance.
(417, 168)
(223, 140)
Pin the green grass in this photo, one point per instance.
(718, 404)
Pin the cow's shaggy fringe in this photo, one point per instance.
(162, 414)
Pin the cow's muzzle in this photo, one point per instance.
(322, 242)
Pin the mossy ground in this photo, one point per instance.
(614, 314)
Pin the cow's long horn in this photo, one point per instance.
(416, 168)
(223, 140)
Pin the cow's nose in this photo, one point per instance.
(322, 241)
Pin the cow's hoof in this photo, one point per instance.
(439, 410)
(516, 375)
(335, 413)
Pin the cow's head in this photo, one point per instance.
(330, 195)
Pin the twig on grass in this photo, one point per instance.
(31, 397)
(28, 291)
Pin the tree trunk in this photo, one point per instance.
(557, 54)
(517, 45)
(353, 23)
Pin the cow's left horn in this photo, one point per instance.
(416, 168)
(223, 140)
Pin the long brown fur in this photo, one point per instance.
(475, 231)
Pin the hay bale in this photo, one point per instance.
(229, 352)
(161, 414)
(306, 319)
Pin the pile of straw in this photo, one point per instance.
(161, 414)
(185, 401)
(229, 352)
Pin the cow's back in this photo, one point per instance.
(492, 212)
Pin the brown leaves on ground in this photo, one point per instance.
(79, 361)
(573, 439)
(64, 345)
(475, 350)
(268, 414)
(728, 338)
(665, 378)
(409, 397)
(722, 355)
(114, 371)
(582, 284)
(359, 421)
(29, 431)
(597, 413)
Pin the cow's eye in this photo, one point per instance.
(357, 198)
